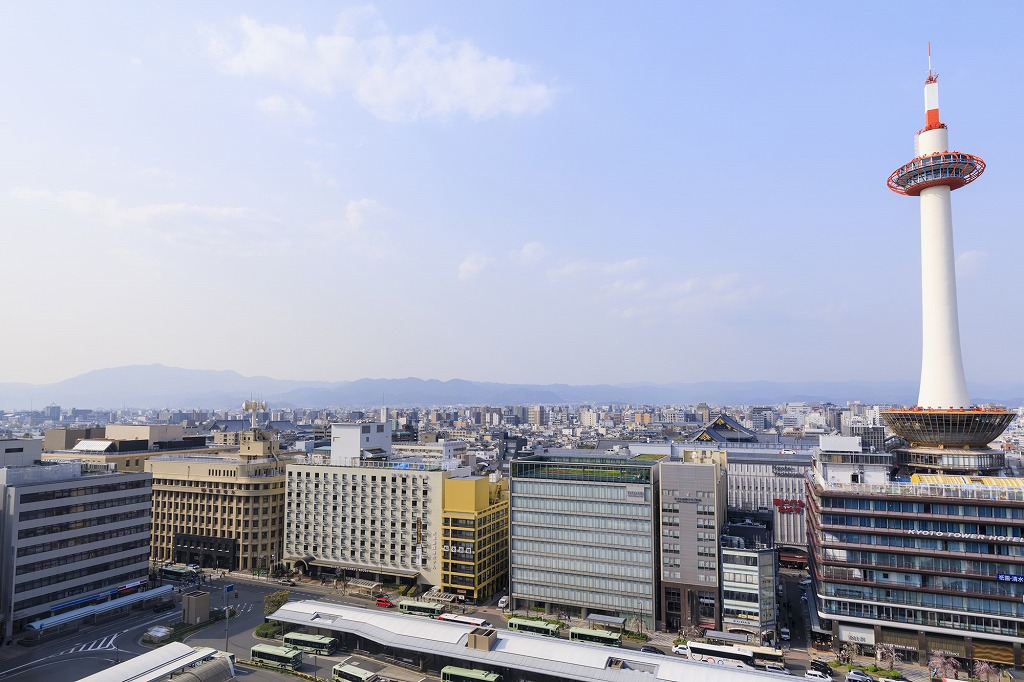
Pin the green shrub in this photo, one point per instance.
(267, 630)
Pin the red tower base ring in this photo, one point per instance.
(952, 169)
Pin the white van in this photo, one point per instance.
(503, 603)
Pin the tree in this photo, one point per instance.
(888, 655)
(848, 651)
(691, 632)
(943, 665)
(937, 662)
(983, 670)
(274, 601)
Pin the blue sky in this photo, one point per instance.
(511, 191)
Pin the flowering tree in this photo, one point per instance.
(983, 670)
(888, 654)
(944, 666)
(691, 632)
(847, 653)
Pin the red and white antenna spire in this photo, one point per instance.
(931, 97)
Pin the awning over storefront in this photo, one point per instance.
(608, 621)
(726, 636)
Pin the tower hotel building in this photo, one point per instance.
(922, 547)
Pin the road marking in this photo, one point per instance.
(102, 644)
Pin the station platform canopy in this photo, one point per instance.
(610, 621)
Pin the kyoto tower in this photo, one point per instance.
(944, 417)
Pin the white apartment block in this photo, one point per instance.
(365, 513)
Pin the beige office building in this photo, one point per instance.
(693, 514)
(220, 510)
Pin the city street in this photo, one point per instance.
(96, 647)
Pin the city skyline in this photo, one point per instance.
(509, 193)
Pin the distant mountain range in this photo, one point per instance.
(158, 386)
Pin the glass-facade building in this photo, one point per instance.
(583, 535)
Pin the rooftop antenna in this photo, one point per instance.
(254, 406)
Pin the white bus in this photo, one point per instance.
(465, 620)
(716, 654)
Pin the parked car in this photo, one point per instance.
(161, 606)
(806, 580)
(784, 634)
(817, 676)
(286, 581)
(648, 649)
(776, 669)
(384, 602)
(821, 666)
(858, 676)
(681, 649)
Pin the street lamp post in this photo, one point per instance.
(270, 567)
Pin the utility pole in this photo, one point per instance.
(227, 588)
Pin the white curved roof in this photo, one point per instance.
(514, 650)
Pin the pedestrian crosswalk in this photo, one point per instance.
(102, 644)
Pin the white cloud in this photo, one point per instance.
(574, 268)
(473, 265)
(621, 286)
(530, 253)
(359, 212)
(395, 77)
(970, 263)
(285, 108)
(30, 194)
(192, 225)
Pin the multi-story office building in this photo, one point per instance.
(762, 476)
(767, 478)
(220, 510)
(584, 534)
(364, 513)
(74, 533)
(929, 565)
(692, 514)
(749, 581)
(474, 533)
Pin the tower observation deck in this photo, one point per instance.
(944, 417)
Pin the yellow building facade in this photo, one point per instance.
(475, 537)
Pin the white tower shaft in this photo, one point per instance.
(943, 383)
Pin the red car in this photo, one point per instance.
(384, 602)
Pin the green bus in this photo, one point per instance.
(344, 672)
(450, 673)
(278, 656)
(174, 572)
(538, 627)
(595, 636)
(421, 608)
(321, 645)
